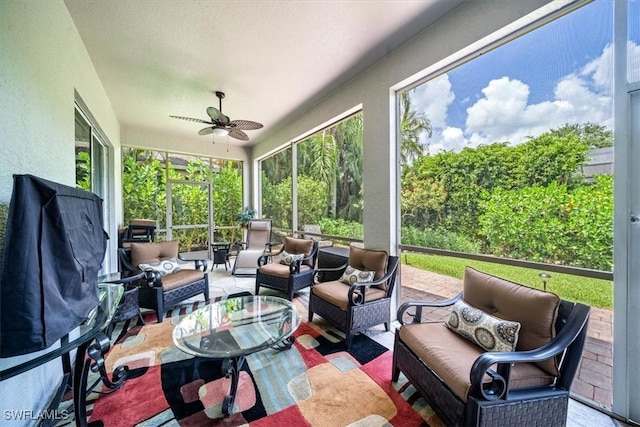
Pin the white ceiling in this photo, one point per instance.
(273, 59)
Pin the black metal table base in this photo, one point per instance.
(231, 368)
(95, 363)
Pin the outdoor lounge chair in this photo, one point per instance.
(258, 241)
(352, 303)
(470, 385)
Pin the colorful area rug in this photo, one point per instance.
(315, 383)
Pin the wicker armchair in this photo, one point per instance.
(286, 274)
(159, 290)
(469, 386)
(355, 307)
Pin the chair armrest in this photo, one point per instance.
(576, 325)
(320, 272)
(264, 258)
(417, 316)
(294, 267)
(125, 260)
(201, 264)
(153, 278)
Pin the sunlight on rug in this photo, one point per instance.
(315, 383)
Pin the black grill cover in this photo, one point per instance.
(54, 248)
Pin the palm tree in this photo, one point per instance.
(412, 125)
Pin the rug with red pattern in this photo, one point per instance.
(314, 383)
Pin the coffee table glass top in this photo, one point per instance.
(236, 326)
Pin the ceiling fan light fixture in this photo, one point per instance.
(221, 131)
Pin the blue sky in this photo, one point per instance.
(559, 73)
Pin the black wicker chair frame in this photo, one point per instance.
(297, 279)
(150, 292)
(494, 404)
(361, 314)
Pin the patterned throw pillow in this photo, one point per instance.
(490, 333)
(286, 258)
(353, 275)
(164, 267)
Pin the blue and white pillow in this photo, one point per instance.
(164, 267)
(287, 259)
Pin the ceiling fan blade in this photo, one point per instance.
(214, 113)
(246, 124)
(206, 131)
(238, 134)
(223, 119)
(191, 119)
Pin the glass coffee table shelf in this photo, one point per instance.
(232, 329)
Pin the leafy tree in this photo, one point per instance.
(309, 189)
(464, 176)
(595, 135)
(144, 189)
(552, 223)
(412, 125)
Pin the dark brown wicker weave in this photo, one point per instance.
(150, 292)
(297, 280)
(541, 406)
(360, 315)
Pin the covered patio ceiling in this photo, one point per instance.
(273, 59)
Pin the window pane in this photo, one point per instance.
(189, 168)
(83, 152)
(276, 188)
(511, 155)
(633, 55)
(227, 199)
(330, 179)
(144, 185)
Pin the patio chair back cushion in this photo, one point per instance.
(148, 253)
(370, 260)
(258, 234)
(296, 246)
(535, 310)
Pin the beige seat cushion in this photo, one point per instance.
(181, 278)
(279, 270)
(148, 253)
(535, 310)
(451, 357)
(337, 293)
(369, 260)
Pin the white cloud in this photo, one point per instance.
(504, 112)
(433, 99)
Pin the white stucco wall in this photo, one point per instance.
(463, 27)
(42, 61)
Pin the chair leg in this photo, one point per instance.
(159, 306)
(310, 316)
(348, 340)
(386, 326)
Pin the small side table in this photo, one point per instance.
(220, 254)
(128, 307)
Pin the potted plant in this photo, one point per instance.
(245, 216)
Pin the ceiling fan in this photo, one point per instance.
(221, 124)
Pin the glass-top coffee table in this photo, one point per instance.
(232, 329)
